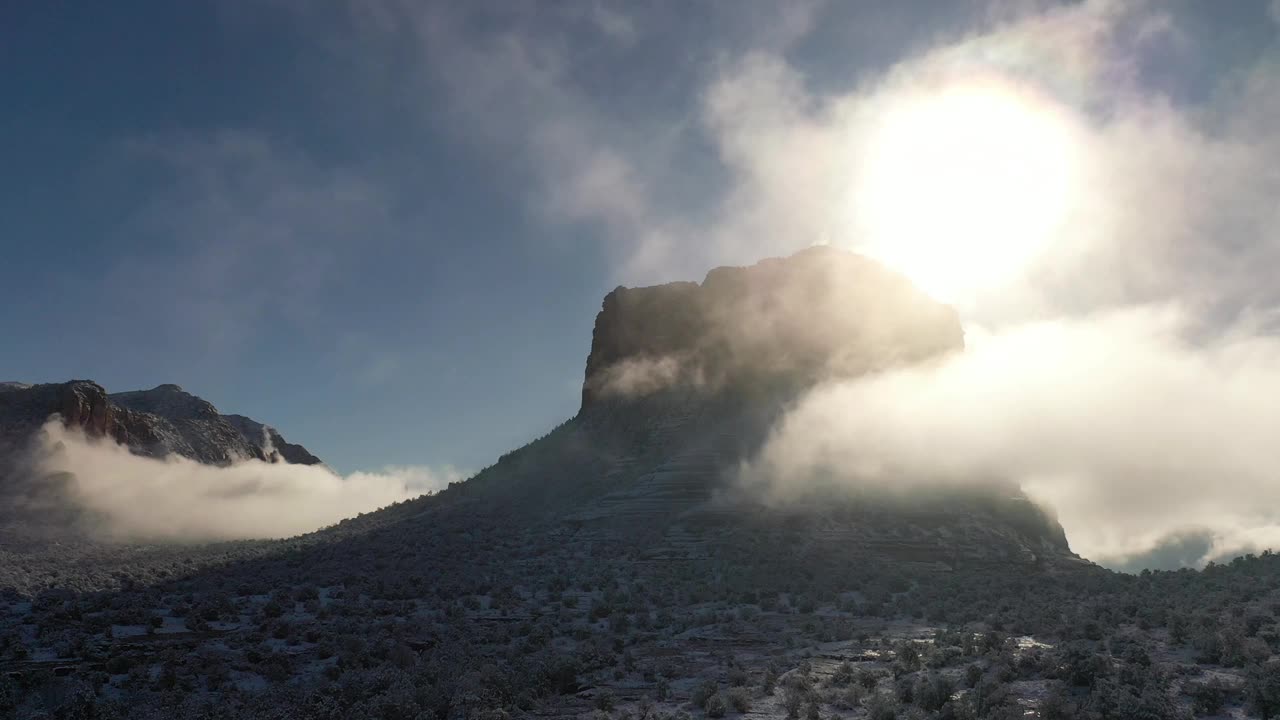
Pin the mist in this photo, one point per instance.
(135, 498)
(1125, 375)
(1135, 434)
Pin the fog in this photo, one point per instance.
(139, 498)
(1133, 434)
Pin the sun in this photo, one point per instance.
(960, 188)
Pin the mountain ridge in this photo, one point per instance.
(158, 422)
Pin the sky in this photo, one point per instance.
(385, 227)
(354, 221)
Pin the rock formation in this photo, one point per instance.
(683, 383)
(784, 323)
(158, 422)
(271, 441)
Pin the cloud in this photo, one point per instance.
(1129, 430)
(562, 101)
(643, 376)
(1123, 377)
(139, 498)
(615, 23)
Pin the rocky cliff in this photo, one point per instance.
(684, 382)
(271, 441)
(159, 422)
(782, 323)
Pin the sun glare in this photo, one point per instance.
(960, 189)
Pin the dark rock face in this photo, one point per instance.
(781, 323)
(81, 403)
(189, 426)
(271, 441)
(158, 422)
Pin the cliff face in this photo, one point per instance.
(158, 422)
(81, 403)
(271, 441)
(685, 381)
(782, 323)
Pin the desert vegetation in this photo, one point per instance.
(474, 619)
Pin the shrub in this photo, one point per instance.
(881, 707)
(704, 691)
(739, 700)
(770, 681)
(843, 674)
(1263, 689)
(1208, 697)
(715, 706)
(933, 691)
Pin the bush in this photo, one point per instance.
(1263, 689)
(1056, 704)
(770, 680)
(933, 691)
(1208, 697)
(881, 707)
(792, 700)
(703, 692)
(740, 700)
(715, 706)
(843, 674)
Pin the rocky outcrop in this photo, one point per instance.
(188, 425)
(685, 381)
(781, 323)
(81, 403)
(272, 442)
(159, 422)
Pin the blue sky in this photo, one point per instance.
(385, 227)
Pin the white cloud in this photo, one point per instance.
(1136, 425)
(139, 498)
(1130, 431)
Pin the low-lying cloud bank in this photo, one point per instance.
(1153, 448)
(140, 498)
